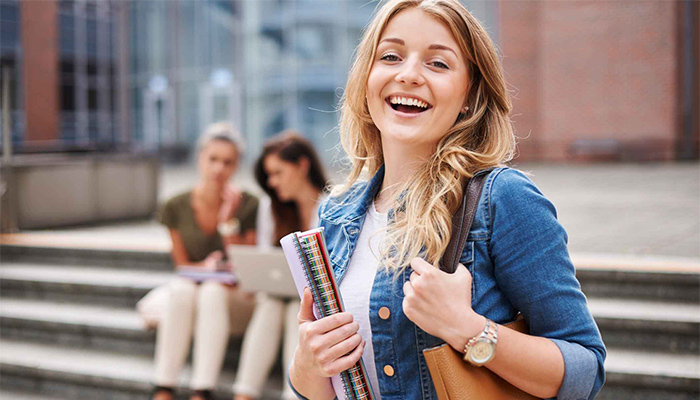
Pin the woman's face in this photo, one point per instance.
(418, 82)
(285, 177)
(217, 162)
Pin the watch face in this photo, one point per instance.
(481, 351)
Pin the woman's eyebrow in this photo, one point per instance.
(431, 47)
(393, 40)
(441, 47)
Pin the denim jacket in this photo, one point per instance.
(517, 255)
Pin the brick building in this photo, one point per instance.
(592, 80)
(603, 80)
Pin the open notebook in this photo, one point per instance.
(310, 265)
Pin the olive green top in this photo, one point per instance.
(177, 213)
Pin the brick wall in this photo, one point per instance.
(594, 79)
(40, 69)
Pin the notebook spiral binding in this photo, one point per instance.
(311, 251)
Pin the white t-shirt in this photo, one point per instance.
(357, 286)
(265, 226)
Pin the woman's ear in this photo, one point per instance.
(304, 165)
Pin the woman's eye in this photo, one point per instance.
(440, 64)
(390, 57)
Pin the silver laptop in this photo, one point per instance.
(263, 270)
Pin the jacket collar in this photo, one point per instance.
(355, 202)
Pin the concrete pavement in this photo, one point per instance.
(611, 211)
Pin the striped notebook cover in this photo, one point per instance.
(310, 265)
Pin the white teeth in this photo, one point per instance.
(408, 101)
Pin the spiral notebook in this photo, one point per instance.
(310, 265)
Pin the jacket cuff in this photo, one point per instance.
(580, 369)
(289, 381)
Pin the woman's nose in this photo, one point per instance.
(410, 73)
(219, 167)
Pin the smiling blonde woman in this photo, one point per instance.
(425, 108)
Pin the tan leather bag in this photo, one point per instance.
(454, 378)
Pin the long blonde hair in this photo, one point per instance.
(481, 139)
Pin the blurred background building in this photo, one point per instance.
(602, 80)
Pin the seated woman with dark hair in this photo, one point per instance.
(290, 173)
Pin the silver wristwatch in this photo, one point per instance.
(481, 348)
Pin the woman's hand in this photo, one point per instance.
(211, 263)
(232, 198)
(327, 346)
(440, 303)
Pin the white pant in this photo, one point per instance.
(212, 312)
(261, 344)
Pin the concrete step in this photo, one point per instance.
(673, 327)
(18, 395)
(88, 374)
(87, 285)
(638, 375)
(634, 324)
(651, 325)
(75, 325)
(677, 287)
(158, 260)
(664, 279)
(82, 374)
(654, 278)
(85, 327)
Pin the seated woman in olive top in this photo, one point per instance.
(202, 222)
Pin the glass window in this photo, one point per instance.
(92, 68)
(92, 99)
(91, 36)
(319, 120)
(9, 34)
(188, 114)
(68, 126)
(314, 42)
(66, 5)
(271, 109)
(270, 48)
(67, 33)
(90, 9)
(186, 32)
(67, 97)
(9, 11)
(137, 113)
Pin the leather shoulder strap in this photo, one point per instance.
(462, 221)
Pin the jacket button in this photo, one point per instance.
(389, 370)
(384, 313)
(353, 230)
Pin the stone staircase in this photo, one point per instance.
(68, 329)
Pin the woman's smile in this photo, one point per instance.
(407, 106)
